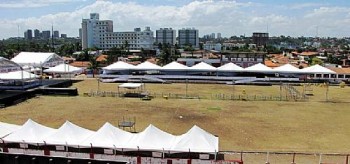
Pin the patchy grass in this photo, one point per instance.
(313, 126)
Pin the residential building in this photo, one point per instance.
(46, 34)
(218, 36)
(63, 35)
(243, 59)
(166, 36)
(28, 35)
(99, 33)
(56, 34)
(188, 37)
(260, 39)
(37, 34)
(212, 46)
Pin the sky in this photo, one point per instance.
(323, 18)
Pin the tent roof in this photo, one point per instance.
(148, 66)
(197, 140)
(17, 75)
(30, 132)
(152, 138)
(287, 68)
(317, 69)
(5, 63)
(36, 58)
(119, 65)
(230, 67)
(108, 136)
(68, 133)
(6, 129)
(202, 66)
(175, 66)
(130, 85)
(258, 68)
(63, 68)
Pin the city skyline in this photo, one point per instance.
(241, 17)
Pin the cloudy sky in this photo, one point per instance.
(230, 17)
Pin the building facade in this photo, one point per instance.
(188, 37)
(166, 36)
(260, 39)
(46, 34)
(37, 34)
(28, 35)
(99, 33)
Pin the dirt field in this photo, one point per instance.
(312, 126)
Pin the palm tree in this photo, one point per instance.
(93, 65)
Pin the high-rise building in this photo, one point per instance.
(212, 36)
(99, 33)
(37, 34)
(46, 34)
(218, 35)
(80, 33)
(28, 35)
(166, 36)
(56, 34)
(260, 39)
(94, 30)
(63, 35)
(188, 36)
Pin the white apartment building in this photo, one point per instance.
(212, 46)
(99, 33)
(166, 36)
(188, 36)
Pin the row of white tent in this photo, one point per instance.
(111, 137)
(229, 67)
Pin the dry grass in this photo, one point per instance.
(314, 126)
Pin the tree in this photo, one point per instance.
(113, 55)
(93, 65)
(316, 60)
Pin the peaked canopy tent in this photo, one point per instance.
(108, 136)
(118, 66)
(6, 129)
(258, 68)
(196, 140)
(64, 69)
(287, 68)
(152, 138)
(148, 66)
(8, 65)
(37, 59)
(230, 67)
(175, 68)
(68, 133)
(201, 68)
(317, 69)
(18, 75)
(30, 133)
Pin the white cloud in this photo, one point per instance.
(228, 17)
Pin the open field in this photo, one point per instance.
(313, 126)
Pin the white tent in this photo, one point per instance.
(258, 68)
(230, 67)
(17, 75)
(8, 65)
(31, 133)
(64, 68)
(287, 68)
(202, 66)
(196, 140)
(147, 66)
(152, 138)
(68, 133)
(175, 66)
(317, 69)
(6, 129)
(120, 65)
(108, 136)
(37, 59)
(130, 85)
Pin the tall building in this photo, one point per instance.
(80, 33)
(56, 34)
(260, 39)
(46, 34)
(166, 36)
(99, 33)
(188, 36)
(28, 35)
(212, 36)
(63, 35)
(37, 34)
(218, 35)
(94, 30)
